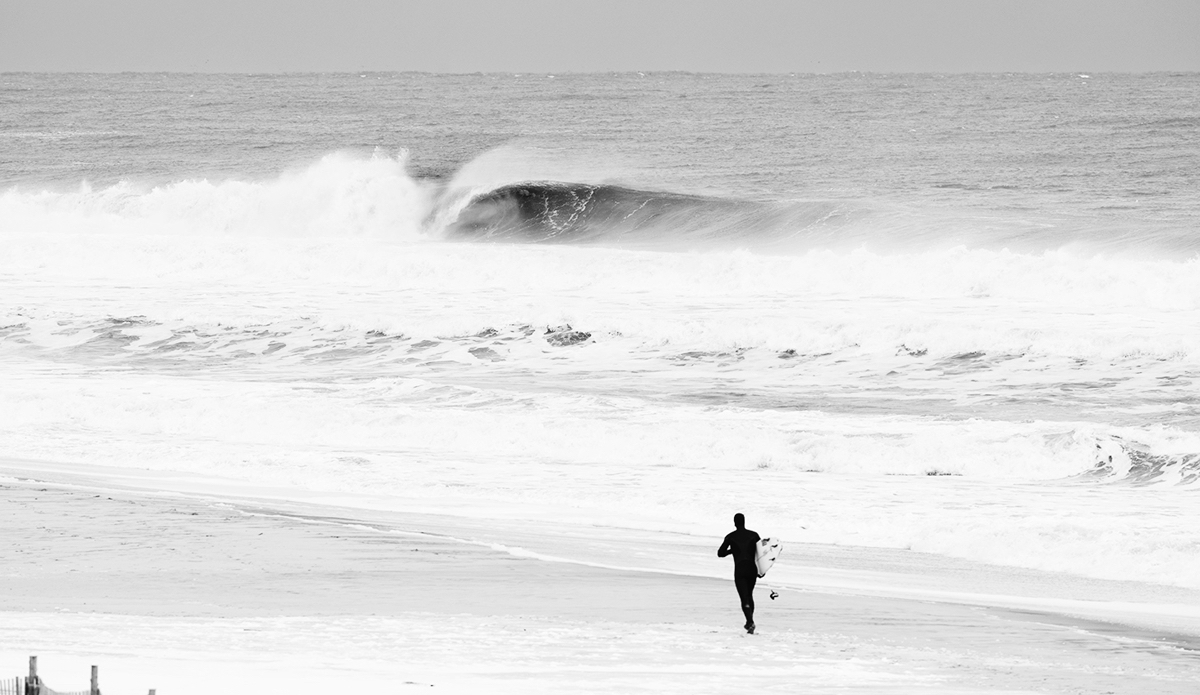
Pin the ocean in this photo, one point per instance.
(955, 314)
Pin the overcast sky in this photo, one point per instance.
(600, 35)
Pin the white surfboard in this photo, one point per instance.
(765, 554)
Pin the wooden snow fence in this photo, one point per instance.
(33, 685)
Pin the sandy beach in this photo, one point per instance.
(211, 591)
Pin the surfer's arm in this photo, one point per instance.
(725, 549)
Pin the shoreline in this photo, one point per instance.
(406, 583)
(865, 571)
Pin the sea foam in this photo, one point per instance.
(341, 195)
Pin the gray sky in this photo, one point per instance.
(600, 35)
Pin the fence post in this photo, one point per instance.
(95, 681)
(32, 687)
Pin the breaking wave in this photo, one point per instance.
(349, 196)
(552, 211)
(1124, 461)
(341, 196)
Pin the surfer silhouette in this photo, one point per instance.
(742, 545)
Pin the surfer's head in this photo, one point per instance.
(739, 520)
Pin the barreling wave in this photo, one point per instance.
(554, 211)
(344, 195)
(606, 214)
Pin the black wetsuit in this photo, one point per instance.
(743, 545)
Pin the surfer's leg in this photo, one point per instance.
(745, 588)
(749, 607)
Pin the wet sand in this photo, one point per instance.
(120, 575)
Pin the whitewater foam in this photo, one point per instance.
(341, 195)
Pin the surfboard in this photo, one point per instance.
(766, 553)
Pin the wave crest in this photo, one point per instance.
(340, 195)
(555, 211)
(1123, 461)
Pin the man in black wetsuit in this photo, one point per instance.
(742, 544)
